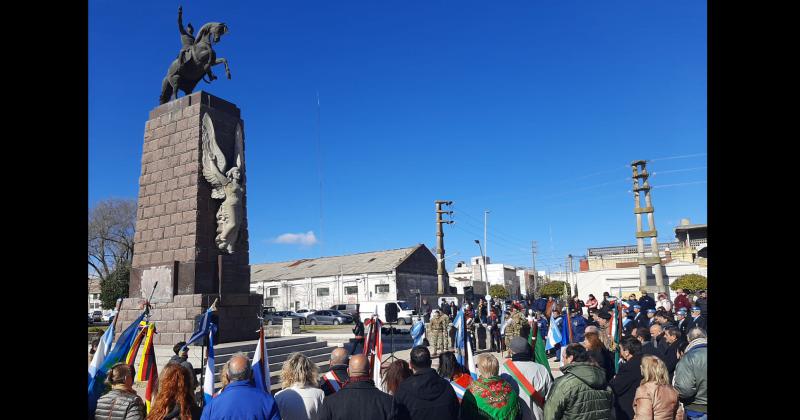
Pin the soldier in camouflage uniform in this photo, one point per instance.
(435, 331)
(513, 329)
(444, 321)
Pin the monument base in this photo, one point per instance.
(176, 320)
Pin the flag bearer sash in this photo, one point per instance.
(524, 383)
(460, 385)
(333, 380)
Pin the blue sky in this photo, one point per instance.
(532, 110)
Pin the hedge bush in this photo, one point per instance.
(555, 289)
(499, 291)
(691, 282)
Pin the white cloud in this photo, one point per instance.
(305, 239)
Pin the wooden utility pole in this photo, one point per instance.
(440, 269)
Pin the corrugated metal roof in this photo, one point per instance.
(368, 262)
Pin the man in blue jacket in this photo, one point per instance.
(241, 399)
(578, 325)
(647, 301)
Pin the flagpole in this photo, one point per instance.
(117, 307)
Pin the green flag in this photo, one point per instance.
(539, 354)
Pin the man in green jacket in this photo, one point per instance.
(691, 374)
(582, 393)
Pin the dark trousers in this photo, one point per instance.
(355, 345)
(497, 343)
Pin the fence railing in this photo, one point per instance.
(628, 249)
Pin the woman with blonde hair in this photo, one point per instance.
(490, 396)
(655, 398)
(223, 378)
(174, 399)
(300, 398)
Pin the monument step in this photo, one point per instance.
(274, 348)
(272, 342)
(308, 349)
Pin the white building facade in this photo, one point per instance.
(94, 295)
(497, 274)
(319, 283)
(623, 281)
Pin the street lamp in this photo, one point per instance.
(483, 258)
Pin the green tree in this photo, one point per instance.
(555, 289)
(499, 291)
(115, 286)
(690, 282)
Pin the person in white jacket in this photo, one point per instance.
(663, 301)
(535, 374)
(300, 398)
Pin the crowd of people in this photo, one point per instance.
(656, 369)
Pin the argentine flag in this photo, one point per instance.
(418, 332)
(459, 344)
(473, 371)
(203, 328)
(117, 354)
(554, 337)
(503, 319)
(102, 350)
(260, 364)
(208, 380)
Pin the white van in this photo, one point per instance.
(405, 310)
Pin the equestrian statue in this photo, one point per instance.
(195, 59)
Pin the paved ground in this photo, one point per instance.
(341, 335)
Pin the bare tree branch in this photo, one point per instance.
(110, 232)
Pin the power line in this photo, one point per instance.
(508, 238)
(679, 184)
(677, 157)
(678, 170)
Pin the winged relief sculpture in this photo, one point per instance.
(227, 185)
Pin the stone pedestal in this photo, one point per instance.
(176, 260)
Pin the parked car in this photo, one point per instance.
(108, 316)
(304, 312)
(327, 316)
(290, 314)
(347, 308)
(404, 310)
(271, 317)
(90, 319)
(97, 316)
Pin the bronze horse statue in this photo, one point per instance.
(184, 74)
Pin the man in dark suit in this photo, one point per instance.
(681, 322)
(637, 319)
(445, 308)
(697, 320)
(673, 337)
(658, 341)
(647, 301)
(628, 324)
(651, 318)
(628, 378)
(648, 346)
